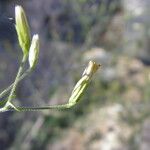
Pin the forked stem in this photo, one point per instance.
(4, 92)
(20, 70)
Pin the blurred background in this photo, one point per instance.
(114, 111)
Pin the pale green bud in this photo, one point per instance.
(83, 82)
(34, 51)
(22, 29)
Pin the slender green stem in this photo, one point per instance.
(16, 80)
(3, 109)
(58, 107)
(9, 88)
(23, 109)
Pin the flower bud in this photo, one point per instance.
(34, 51)
(82, 84)
(22, 29)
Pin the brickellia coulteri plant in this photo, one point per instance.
(30, 49)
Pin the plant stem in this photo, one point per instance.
(16, 81)
(9, 87)
(3, 109)
(23, 109)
